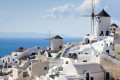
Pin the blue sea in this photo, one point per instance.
(8, 45)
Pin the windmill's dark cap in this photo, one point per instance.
(103, 13)
(57, 37)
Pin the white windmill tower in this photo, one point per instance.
(102, 27)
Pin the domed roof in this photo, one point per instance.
(103, 13)
(114, 25)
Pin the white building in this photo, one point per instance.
(56, 43)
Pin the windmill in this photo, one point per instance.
(49, 34)
(92, 16)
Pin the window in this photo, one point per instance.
(118, 53)
(84, 60)
(107, 76)
(101, 32)
(92, 78)
(102, 44)
(45, 68)
(88, 41)
(8, 59)
(60, 68)
(33, 53)
(98, 17)
(107, 45)
(87, 76)
(15, 55)
(96, 55)
(60, 47)
(86, 53)
(30, 68)
(107, 51)
(24, 74)
(110, 43)
(112, 79)
(107, 33)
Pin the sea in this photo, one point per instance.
(8, 45)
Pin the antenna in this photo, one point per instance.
(92, 16)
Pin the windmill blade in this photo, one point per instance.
(91, 25)
(47, 39)
(85, 15)
(92, 6)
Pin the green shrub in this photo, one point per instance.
(66, 62)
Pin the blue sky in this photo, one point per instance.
(59, 16)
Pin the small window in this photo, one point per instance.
(110, 43)
(101, 32)
(84, 60)
(107, 45)
(30, 68)
(60, 68)
(107, 51)
(15, 55)
(3, 61)
(102, 44)
(45, 68)
(8, 59)
(98, 17)
(24, 74)
(87, 75)
(60, 47)
(86, 53)
(107, 33)
(92, 78)
(119, 53)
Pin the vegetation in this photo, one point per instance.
(24, 58)
(73, 56)
(4, 74)
(20, 62)
(66, 62)
(86, 53)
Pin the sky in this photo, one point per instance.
(57, 16)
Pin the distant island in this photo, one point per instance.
(26, 35)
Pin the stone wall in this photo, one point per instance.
(111, 68)
(117, 51)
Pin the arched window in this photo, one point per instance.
(60, 47)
